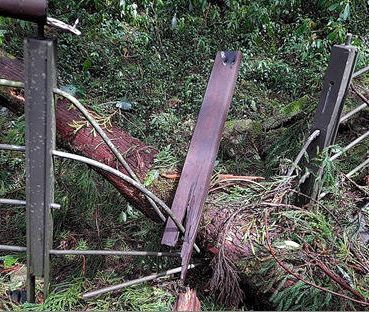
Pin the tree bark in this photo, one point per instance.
(139, 156)
(84, 141)
(187, 301)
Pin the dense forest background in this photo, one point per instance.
(144, 65)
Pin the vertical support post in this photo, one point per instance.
(40, 80)
(327, 117)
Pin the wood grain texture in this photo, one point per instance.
(187, 301)
(194, 183)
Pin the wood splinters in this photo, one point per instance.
(187, 301)
(195, 179)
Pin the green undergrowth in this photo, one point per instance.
(134, 54)
(291, 248)
(145, 65)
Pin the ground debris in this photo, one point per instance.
(187, 301)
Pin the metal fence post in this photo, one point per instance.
(327, 117)
(40, 80)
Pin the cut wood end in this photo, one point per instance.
(171, 176)
(187, 301)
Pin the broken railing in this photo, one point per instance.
(327, 119)
(40, 88)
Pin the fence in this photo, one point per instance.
(327, 119)
(40, 88)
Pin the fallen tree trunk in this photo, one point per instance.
(139, 156)
(74, 134)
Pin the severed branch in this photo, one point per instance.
(338, 279)
(298, 276)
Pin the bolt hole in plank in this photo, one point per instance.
(327, 117)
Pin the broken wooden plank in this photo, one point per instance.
(196, 174)
(217, 98)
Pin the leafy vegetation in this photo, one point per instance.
(153, 58)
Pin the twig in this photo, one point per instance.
(338, 279)
(233, 182)
(224, 177)
(241, 180)
(359, 187)
(309, 140)
(361, 96)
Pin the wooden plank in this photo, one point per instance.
(195, 178)
(327, 117)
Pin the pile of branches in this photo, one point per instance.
(312, 257)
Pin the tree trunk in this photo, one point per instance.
(187, 301)
(84, 141)
(139, 156)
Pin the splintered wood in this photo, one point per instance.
(195, 178)
(187, 301)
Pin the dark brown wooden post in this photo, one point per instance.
(327, 117)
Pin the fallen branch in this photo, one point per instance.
(340, 281)
(298, 276)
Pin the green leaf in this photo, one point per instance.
(151, 177)
(87, 64)
(296, 106)
(346, 12)
(9, 261)
(333, 7)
